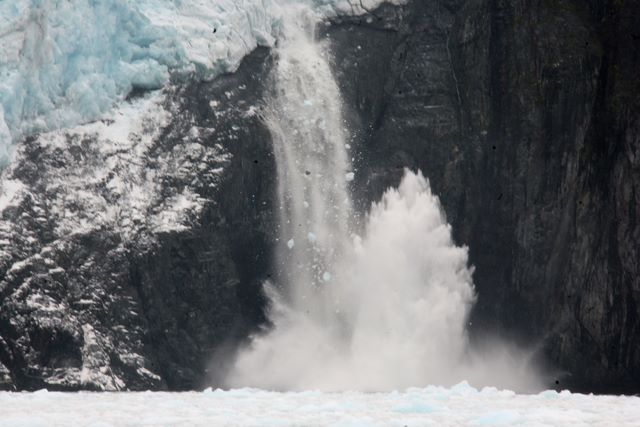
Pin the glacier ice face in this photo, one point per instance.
(5, 136)
(67, 62)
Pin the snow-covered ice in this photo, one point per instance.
(460, 405)
(118, 146)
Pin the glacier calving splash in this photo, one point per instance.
(67, 62)
(381, 306)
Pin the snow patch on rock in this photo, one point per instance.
(109, 179)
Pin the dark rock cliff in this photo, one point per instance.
(524, 114)
(101, 285)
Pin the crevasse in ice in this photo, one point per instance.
(64, 62)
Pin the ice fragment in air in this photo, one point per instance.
(349, 176)
(312, 237)
(326, 276)
(290, 244)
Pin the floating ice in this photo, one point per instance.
(432, 406)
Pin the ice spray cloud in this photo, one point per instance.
(386, 309)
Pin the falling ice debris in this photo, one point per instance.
(290, 244)
(326, 276)
(308, 103)
(305, 204)
(312, 237)
(350, 176)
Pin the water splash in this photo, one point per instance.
(384, 310)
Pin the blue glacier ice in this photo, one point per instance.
(65, 62)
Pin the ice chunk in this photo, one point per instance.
(500, 418)
(290, 244)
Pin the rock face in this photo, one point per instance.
(132, 248)
(127, 262)
(525, 115)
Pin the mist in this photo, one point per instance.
(393, 316)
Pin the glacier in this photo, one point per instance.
(67, 62)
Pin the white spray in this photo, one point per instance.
(383, 311)
(305, 119)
